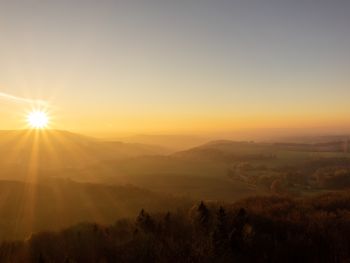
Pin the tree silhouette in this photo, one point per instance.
(145, 222)
(221, 242)
(203, 216)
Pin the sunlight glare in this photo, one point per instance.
(38, 119)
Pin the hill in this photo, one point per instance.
(218, 170)
(171, 142)
(53, 204)
(228, 170)
(226, 150)
(34, 156)
(53, 149)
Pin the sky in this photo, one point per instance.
(194, 66)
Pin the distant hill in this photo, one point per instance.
(216, 170)
(51, 149)
(36, 156)
(317, 138)
(228, 151)
(171, 142)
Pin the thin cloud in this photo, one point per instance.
(16, 99)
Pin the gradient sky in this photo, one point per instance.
(176, 66)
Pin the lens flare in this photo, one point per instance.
(37, 119)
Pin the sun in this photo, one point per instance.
(38, 119)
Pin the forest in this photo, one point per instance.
(256, 229)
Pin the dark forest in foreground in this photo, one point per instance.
(257, 229)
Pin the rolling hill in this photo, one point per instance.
(172, 142)
(52, 149)
(231, 151)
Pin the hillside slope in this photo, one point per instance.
(51, 149)
(54, 204)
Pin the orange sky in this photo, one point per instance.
(194, 67)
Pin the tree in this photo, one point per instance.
(220, 237)
(145, 222)
(203, 216)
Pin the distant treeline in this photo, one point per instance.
(312, 174)
(259, 229)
